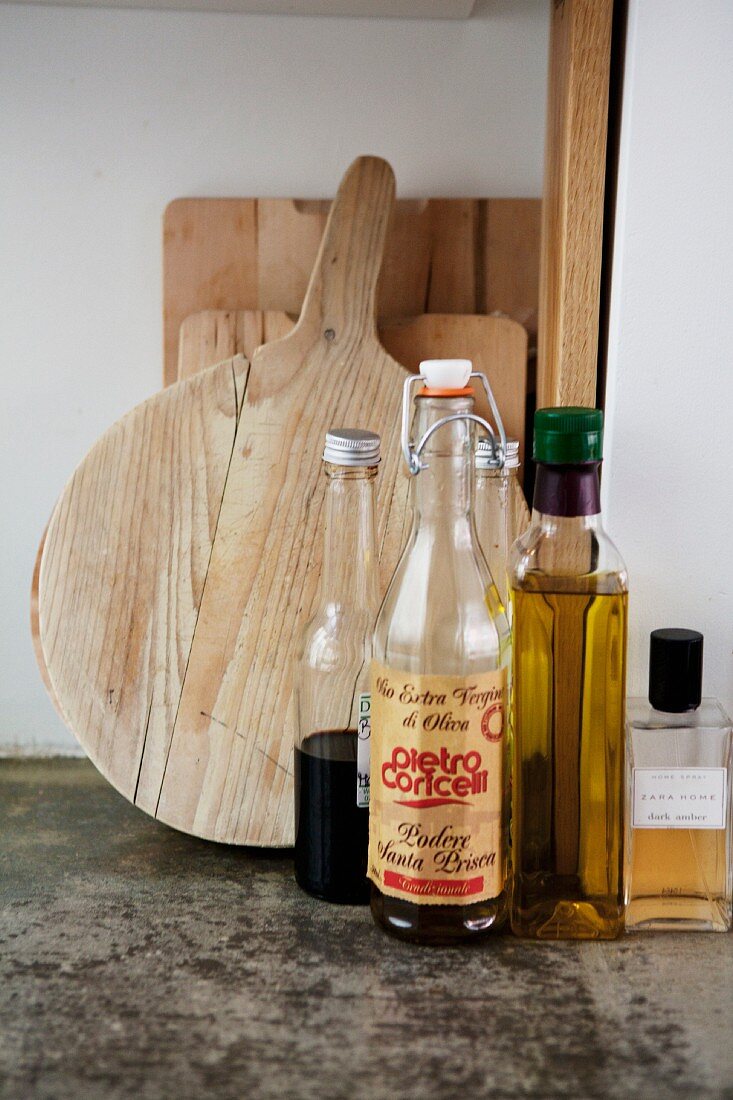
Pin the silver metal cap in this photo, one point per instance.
(351, 447)
(484, 455)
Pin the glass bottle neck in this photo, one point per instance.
(443, 489)
(350, 567)
(568, 491)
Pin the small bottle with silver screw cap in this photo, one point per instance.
(501, 511)
(333, 701)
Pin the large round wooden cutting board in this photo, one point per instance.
(184, 554)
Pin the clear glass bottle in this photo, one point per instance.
(438, 815)
(333, 702)
(569, 594)
(501, 511)
(679, 805)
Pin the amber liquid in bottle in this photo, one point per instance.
(569, 594)
(691, 894)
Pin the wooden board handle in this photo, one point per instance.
(343, 284)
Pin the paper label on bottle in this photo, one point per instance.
(436, 815)
(363, 730)
(679, 798)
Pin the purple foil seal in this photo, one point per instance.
(568, 490)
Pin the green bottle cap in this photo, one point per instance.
(568, 434)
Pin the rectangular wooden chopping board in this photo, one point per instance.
(441, 256)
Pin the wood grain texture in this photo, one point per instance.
(206, 346)
(496, 345)
(442, 256)
(210, 337)
(511, 274)
(123, 570)
(211, 253)
(572, 211)
(36, 626)
(184, 554)
(229, 769)
(185, 551)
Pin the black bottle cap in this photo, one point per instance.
(675, 670)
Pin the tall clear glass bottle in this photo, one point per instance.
(569, 593)
(679, 812)
(437, 821)
(501, 511)
(333, 701)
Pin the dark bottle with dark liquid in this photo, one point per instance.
(331, 830)
(332, 745)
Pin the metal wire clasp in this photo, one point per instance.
(412, 452)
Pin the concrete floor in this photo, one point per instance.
(139, 962)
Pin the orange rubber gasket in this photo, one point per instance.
(426, 392)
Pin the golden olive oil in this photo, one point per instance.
(568, 684)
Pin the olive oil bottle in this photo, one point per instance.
(569, 594)
(437, 818)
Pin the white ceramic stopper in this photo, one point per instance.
(446, 374)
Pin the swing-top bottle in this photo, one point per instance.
(437, 830)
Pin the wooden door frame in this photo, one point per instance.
(574, 193)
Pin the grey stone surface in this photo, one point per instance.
(139, 962)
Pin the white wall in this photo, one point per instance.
(668, 483)
(107, 115)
